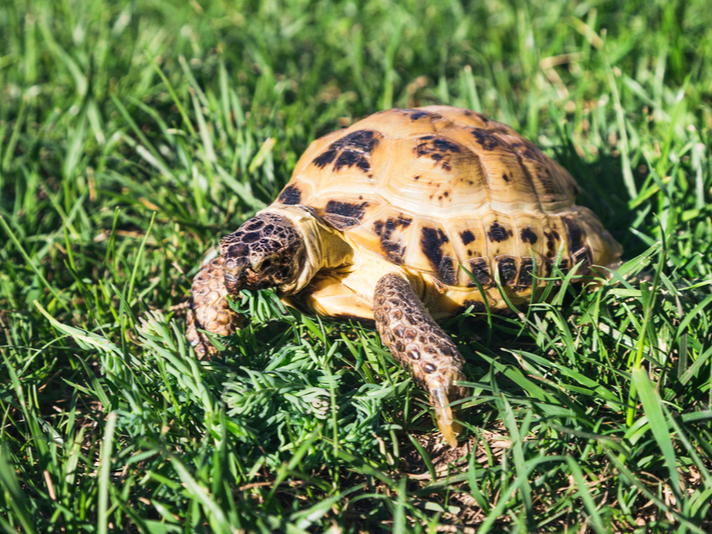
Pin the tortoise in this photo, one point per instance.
(392, 220)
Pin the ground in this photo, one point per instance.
(133, 135)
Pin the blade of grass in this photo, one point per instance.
(653, 407)
(104, 474)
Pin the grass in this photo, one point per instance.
(134, 134)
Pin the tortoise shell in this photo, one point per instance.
(437, 188)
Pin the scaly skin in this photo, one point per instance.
(209, 309)
(419, 344)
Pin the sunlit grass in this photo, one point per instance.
(134, 135)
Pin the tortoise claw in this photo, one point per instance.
(443, 414)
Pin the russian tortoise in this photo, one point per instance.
(379, 220)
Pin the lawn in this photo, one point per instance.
(133, 135)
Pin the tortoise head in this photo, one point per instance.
(266, 251)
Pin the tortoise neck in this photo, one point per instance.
(325, 246)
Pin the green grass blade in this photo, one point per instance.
(104, 474)
(653, 407)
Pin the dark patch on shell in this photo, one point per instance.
(431, 242)
(498, 233)
(416, 114)
(290, 195)
(528, 235)
(551, 238)
(525, 272)
(324, 159)
(479, 267)
(352, 149)
(526, 150)
(344, 215)
(467, 237)
(506, 178)
(574, 234)
(438, 149)
(349, 158)
(393, 250)
(378, 227)
(445, 145)
(429, 367)
(507, 270)
(486, 139)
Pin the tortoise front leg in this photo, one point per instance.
(418, 343)
(209, 309)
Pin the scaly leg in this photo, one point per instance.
(418, 343)
(209, 309)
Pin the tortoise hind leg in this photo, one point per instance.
(209, 309)
(417, 342)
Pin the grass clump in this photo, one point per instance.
(134, 135)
